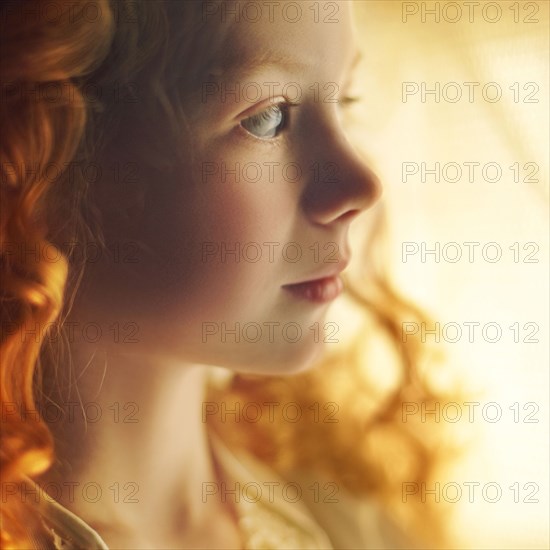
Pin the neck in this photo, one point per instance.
(144, 446)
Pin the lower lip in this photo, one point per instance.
(320, 291)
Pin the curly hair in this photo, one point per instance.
(370, 450)
(43, 116)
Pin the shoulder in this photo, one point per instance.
(311, 511)
(349, 521)
(64, 530)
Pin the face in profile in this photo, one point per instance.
(249, 234)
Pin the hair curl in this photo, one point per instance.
(42, 117)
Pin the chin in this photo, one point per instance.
(281, 360)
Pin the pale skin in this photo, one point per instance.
(166, 453)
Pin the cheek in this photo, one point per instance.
(216, 259)
(215, 239)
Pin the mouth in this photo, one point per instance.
(322, 289)
(318, 291)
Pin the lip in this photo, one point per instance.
(333, 271)
(319, 291)
(323, 288)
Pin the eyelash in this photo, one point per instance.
(285, 107)
(264, 115)
(348, 100)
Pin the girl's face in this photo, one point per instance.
(265, 201)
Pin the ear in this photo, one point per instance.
(120, 196)
(133, 205)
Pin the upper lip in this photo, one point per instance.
(334, 270)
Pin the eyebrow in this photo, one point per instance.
(233, 64)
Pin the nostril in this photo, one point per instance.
(349, 215)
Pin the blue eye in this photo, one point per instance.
(269, 123)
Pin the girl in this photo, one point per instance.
(200, 219)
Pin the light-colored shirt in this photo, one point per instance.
(302, 511)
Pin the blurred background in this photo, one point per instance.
(455, 121)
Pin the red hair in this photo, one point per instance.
(42, 117)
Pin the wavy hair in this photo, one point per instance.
(43, 116)
(370, 450)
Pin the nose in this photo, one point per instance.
(341, 185)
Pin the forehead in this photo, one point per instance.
(294, 35)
